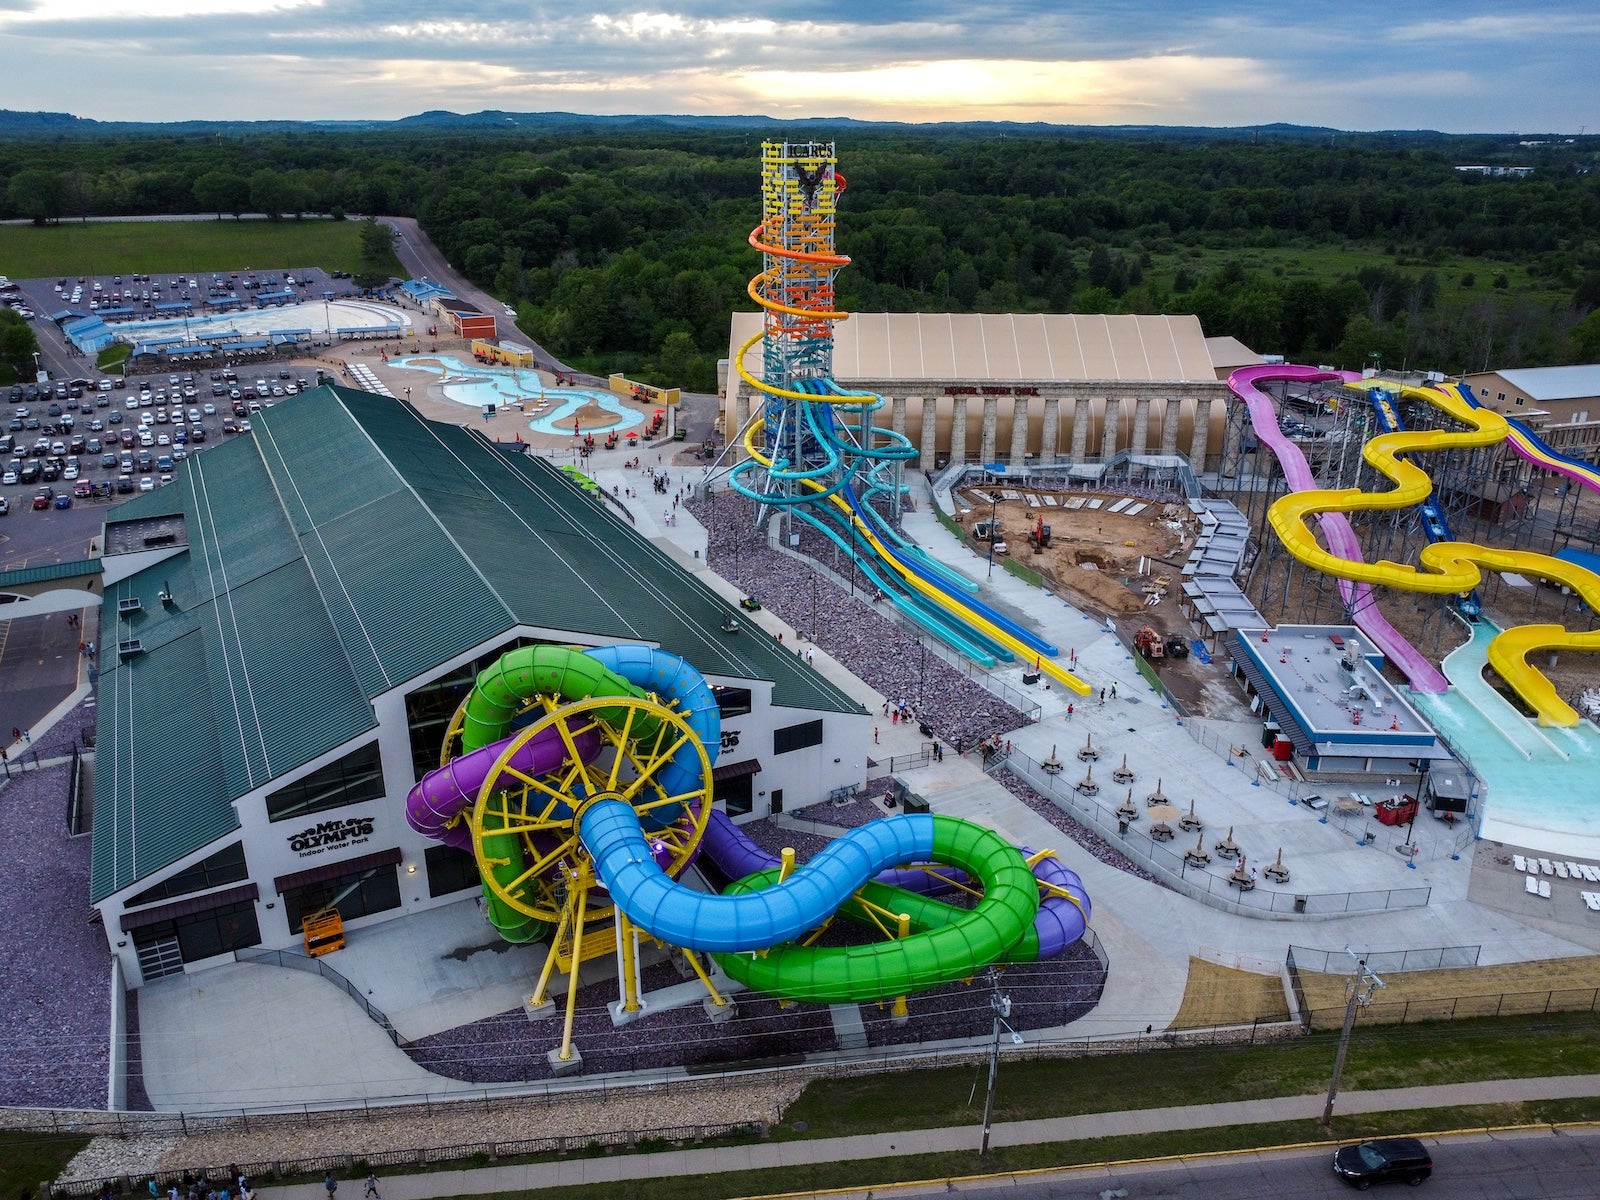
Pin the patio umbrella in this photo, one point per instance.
(1163, 812)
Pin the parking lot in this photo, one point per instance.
(83, 442)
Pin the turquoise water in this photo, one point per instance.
(478, 385)
(1542, 795)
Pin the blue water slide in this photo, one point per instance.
(681, 916)
(999, 620)
(672, 679)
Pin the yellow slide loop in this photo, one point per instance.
(1445, 568)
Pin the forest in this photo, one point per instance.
(625, 249)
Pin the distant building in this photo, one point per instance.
(508, 354)
(1011, 387)
(466, 318)
(1497, 172)
(1561, 403)
(1228, 354)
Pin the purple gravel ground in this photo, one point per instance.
(54, 966)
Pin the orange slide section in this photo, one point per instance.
(1445, 568)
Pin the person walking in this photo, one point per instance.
(1113, 691)
(330, 1184)
(372, 1187)
(1069, 712)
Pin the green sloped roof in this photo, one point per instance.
(402, 597)
(64, 570)
(559, 559)
(159, 787)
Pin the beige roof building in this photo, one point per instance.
(1009, 387)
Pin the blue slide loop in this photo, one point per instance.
(673, 680)
(681, 916)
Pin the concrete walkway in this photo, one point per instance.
(954, 1139)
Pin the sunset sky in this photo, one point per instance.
(1507, 67)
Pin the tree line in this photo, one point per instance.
(626, 250)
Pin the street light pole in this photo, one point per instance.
(1360, 997)
(1002, 1009)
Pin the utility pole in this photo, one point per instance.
(1002, 1009)
(1362, 984)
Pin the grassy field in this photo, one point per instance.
(1336, 261)
(27, 1159)
(806, 1177)
(1380, 1057)
(1217, 995)
(1506, 989)
(121, 248)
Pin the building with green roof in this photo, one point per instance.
(289, 627)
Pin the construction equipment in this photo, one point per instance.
(1149, 643)
(1177, 646)
(1039, 536)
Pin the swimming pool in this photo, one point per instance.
(551, 409)
(1540, 791)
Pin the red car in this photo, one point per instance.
(82, 488)
(43, 497)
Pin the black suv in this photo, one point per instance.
(1387, 1160)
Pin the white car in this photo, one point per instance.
(163, 440)
(210, 410)
(147, 484)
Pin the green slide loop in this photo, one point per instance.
(951, 943)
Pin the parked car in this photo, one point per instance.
(1385, 1160)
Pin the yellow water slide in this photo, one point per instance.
(1445, 568)
(1024, 652)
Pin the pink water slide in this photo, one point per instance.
(1336, 529)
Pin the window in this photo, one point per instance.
(737, 795)
(797, 737)
(1521, 400)
(225, 866)
(733, 701)
(1500, 396)
(450, 870)
(430, 707)
(206, 934)
(354, 779)
(355, 895)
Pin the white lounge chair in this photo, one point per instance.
(1591, 872)
(1519, 862)
(1544, 865)
(1532, 885)
(1561, 869)
(1592, 899)
(1544, 889)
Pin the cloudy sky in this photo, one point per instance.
(1517, 65)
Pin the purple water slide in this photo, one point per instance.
(1341, 538)
(445, 792)
(1061, 921)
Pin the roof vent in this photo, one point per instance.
(129, 606)
(129, 648)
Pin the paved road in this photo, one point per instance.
(1564, 1165)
